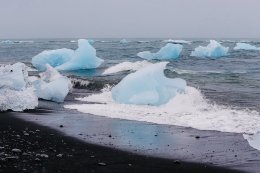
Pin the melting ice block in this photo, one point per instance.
(52, 85)
(15, 91)
(66, 59)
(214, 49)
(148, 86)
(170, 51)
(253, 140)
(245, 46)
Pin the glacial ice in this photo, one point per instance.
(15, 91)
(253, 140)
(177, 41)
(170, 51)
(123, 41)
(213, 49)
(126, 66)
(52, 85)
(245, 46)
(148, 86)
(66, 59)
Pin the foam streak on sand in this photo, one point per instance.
(189, 110)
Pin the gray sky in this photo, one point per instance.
(130, 18)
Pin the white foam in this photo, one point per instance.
(126, 66)
(189, 110)
(177, 41)
(253, 140)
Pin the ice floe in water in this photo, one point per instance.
(148, 86)
(245, 46)
(170, 51)
(213, 49)
(253, 140)
(124, 41)
(126, 66)
(66, 59)
(52, 85)
(15, 91)
(177, 41)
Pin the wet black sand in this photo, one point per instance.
(27, 147)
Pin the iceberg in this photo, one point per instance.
(66, 59)
(170, 51)
(214, 49)
(52, 85)
(126, 66)
(148, 86)
(177, 41)
(245, 46)
(123, 41)
(16, 93)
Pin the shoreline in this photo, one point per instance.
(77, 155)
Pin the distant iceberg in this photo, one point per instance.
(177, 41)
(66, 59)
(214, 49)
(15, 91)
(126, 66)
(245, 46)
(52, 85)
(170, 51)
(148, 86)
(123, 41)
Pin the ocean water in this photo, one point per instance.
(233, 80)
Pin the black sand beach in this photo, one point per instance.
(27, 147)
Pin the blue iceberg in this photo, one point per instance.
(16, 93)
(170, 51)
(123, 41)
(148, 86)
(214, 49)
(52, 85)
(245, 46)
(66, 59)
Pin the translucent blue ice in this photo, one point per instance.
(170, 51)
(148, 86)
(245, 46)
(66, 59)
(123, 41)
(52, 85)
(213, 49)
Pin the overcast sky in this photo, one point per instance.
(130, 18)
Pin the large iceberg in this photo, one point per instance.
(213, 49)
(148, 86)
(52, 85)
(15, 91)
(66, 59)
(170, 51)
(245, 46)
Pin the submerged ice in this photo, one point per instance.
(52, 85)
(170, 51)
(245, 46)
(15, 91)
(148, 86)
(66, 59)
(213, 49)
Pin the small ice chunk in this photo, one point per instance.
(177, 41)
(214, 49)
(170, 51)
(15, 91)
(253, 140)
(66, 59)
(123, 41)
(126, 66)
(148, 86)
(245, 46)
(52, 85)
